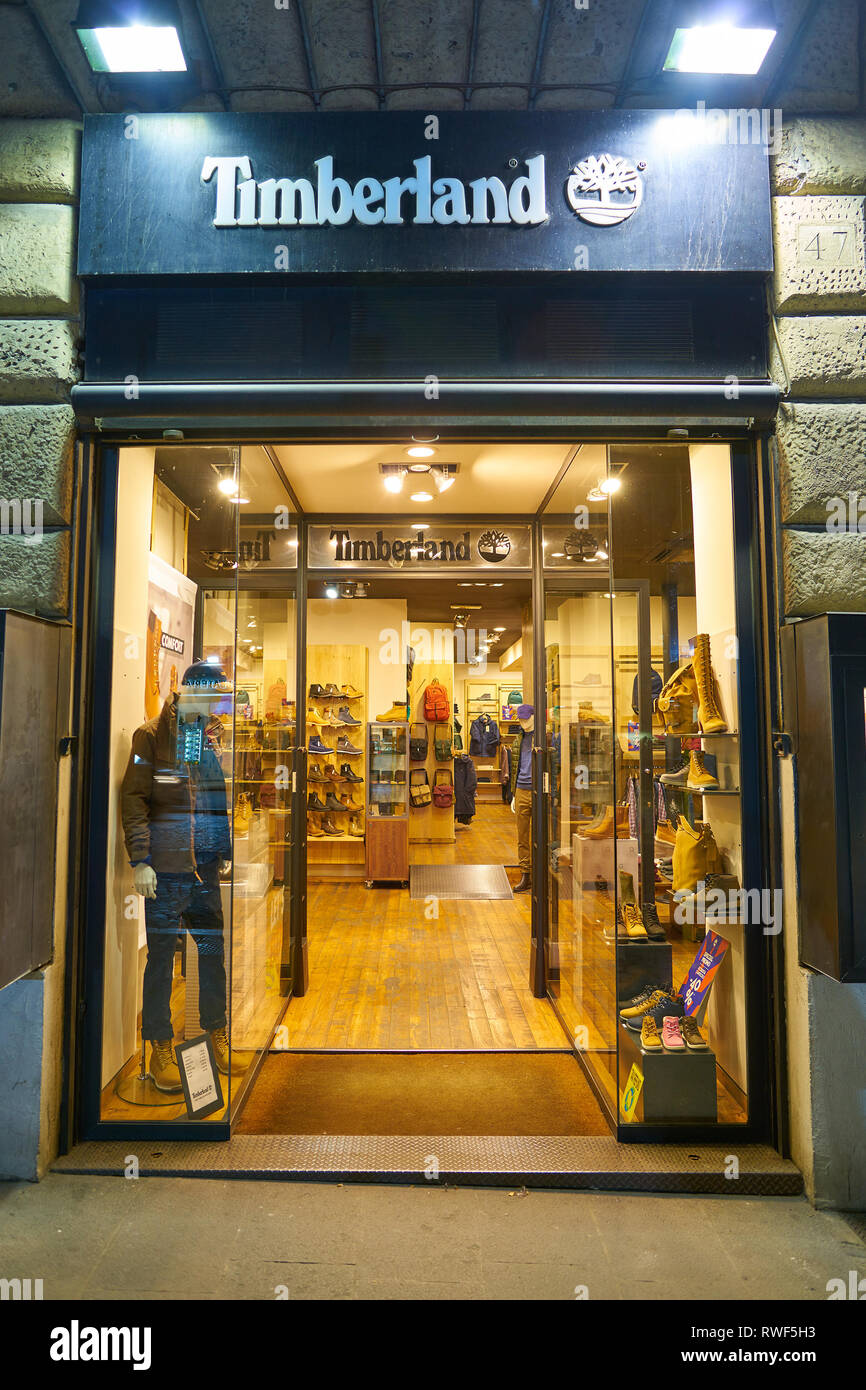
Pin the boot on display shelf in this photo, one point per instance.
(629, 912)
(650, 918)
(710, 717)
(314, 830)
(601, 828)
(699, 779)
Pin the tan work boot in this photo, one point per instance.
(163, 1070)
(395, 715)
(710, 717)
(699, 779)
(222, 1053)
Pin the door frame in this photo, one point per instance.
(94, 654)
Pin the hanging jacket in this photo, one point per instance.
(465, 782)
(483, 736)
(174, 814)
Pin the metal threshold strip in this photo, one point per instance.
(281, 400)
(596, 1163)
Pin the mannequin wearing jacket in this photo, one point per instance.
(176, 828)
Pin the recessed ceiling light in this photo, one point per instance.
(420, 451)
(595, 494)
(499, 585)
(331, 591)
(610, 484)
(239, 501)
(227, 483)
(421, 497)
(499, 629)
(421, 525)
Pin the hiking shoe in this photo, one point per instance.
(634, 1006)
(345, 747)
(317, 745)
(692, 1035)
(332, 804)
(329, 827)
(314, 803)
(650, 1037)
(350, 693)
(316, 692)
(348, 775)
(315, 773)
(631, 919)
(672, 1038)
(669, 1005)
(345, 716)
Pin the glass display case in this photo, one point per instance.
(387, 841)
(388, 763)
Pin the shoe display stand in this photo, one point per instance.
(676, 1085)
(432, 824)
(387, 825)
(641, 963)
(594, 860)
(337, 856)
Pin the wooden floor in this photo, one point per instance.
(385, 973)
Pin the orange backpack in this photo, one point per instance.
(436, 705)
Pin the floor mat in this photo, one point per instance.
(469, 882)
(452, 1093)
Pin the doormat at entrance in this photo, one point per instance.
(528, 1093)
(466, 882)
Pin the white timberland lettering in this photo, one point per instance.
(328, 199)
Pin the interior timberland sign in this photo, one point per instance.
(590, 192)
(448, 547)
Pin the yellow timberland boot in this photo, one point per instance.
(163, 1070)
(710, 716)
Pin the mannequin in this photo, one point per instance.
(176, 827)
(521, 792)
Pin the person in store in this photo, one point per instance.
(521, 792)
(176, 827)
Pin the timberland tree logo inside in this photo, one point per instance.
(602, 190)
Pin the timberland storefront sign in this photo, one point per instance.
(395, 547)
(594, 192)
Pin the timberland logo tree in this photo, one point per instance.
(494, 546)
(615, 184)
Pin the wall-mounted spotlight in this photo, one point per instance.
(724, 37)
(131, 36)
(393, 476)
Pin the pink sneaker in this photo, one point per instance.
(672, 1038)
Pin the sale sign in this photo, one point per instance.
(702, 971)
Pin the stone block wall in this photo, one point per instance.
(39, 336)
(39, 332)
(818, 356)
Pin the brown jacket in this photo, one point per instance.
(174, 815)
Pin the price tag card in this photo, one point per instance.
(199, 1077)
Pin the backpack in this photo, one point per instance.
(436, 704)
(442, 741)
(418, 743)
(443, 792)
(419, 787)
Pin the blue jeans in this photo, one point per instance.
(183, 902)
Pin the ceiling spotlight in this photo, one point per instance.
(420, 451)
(442, 477)
(125, 36)
(421, 497)
(393, 475)
(331, 591)
(608, 485)
(725, 39)
(228, 482)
